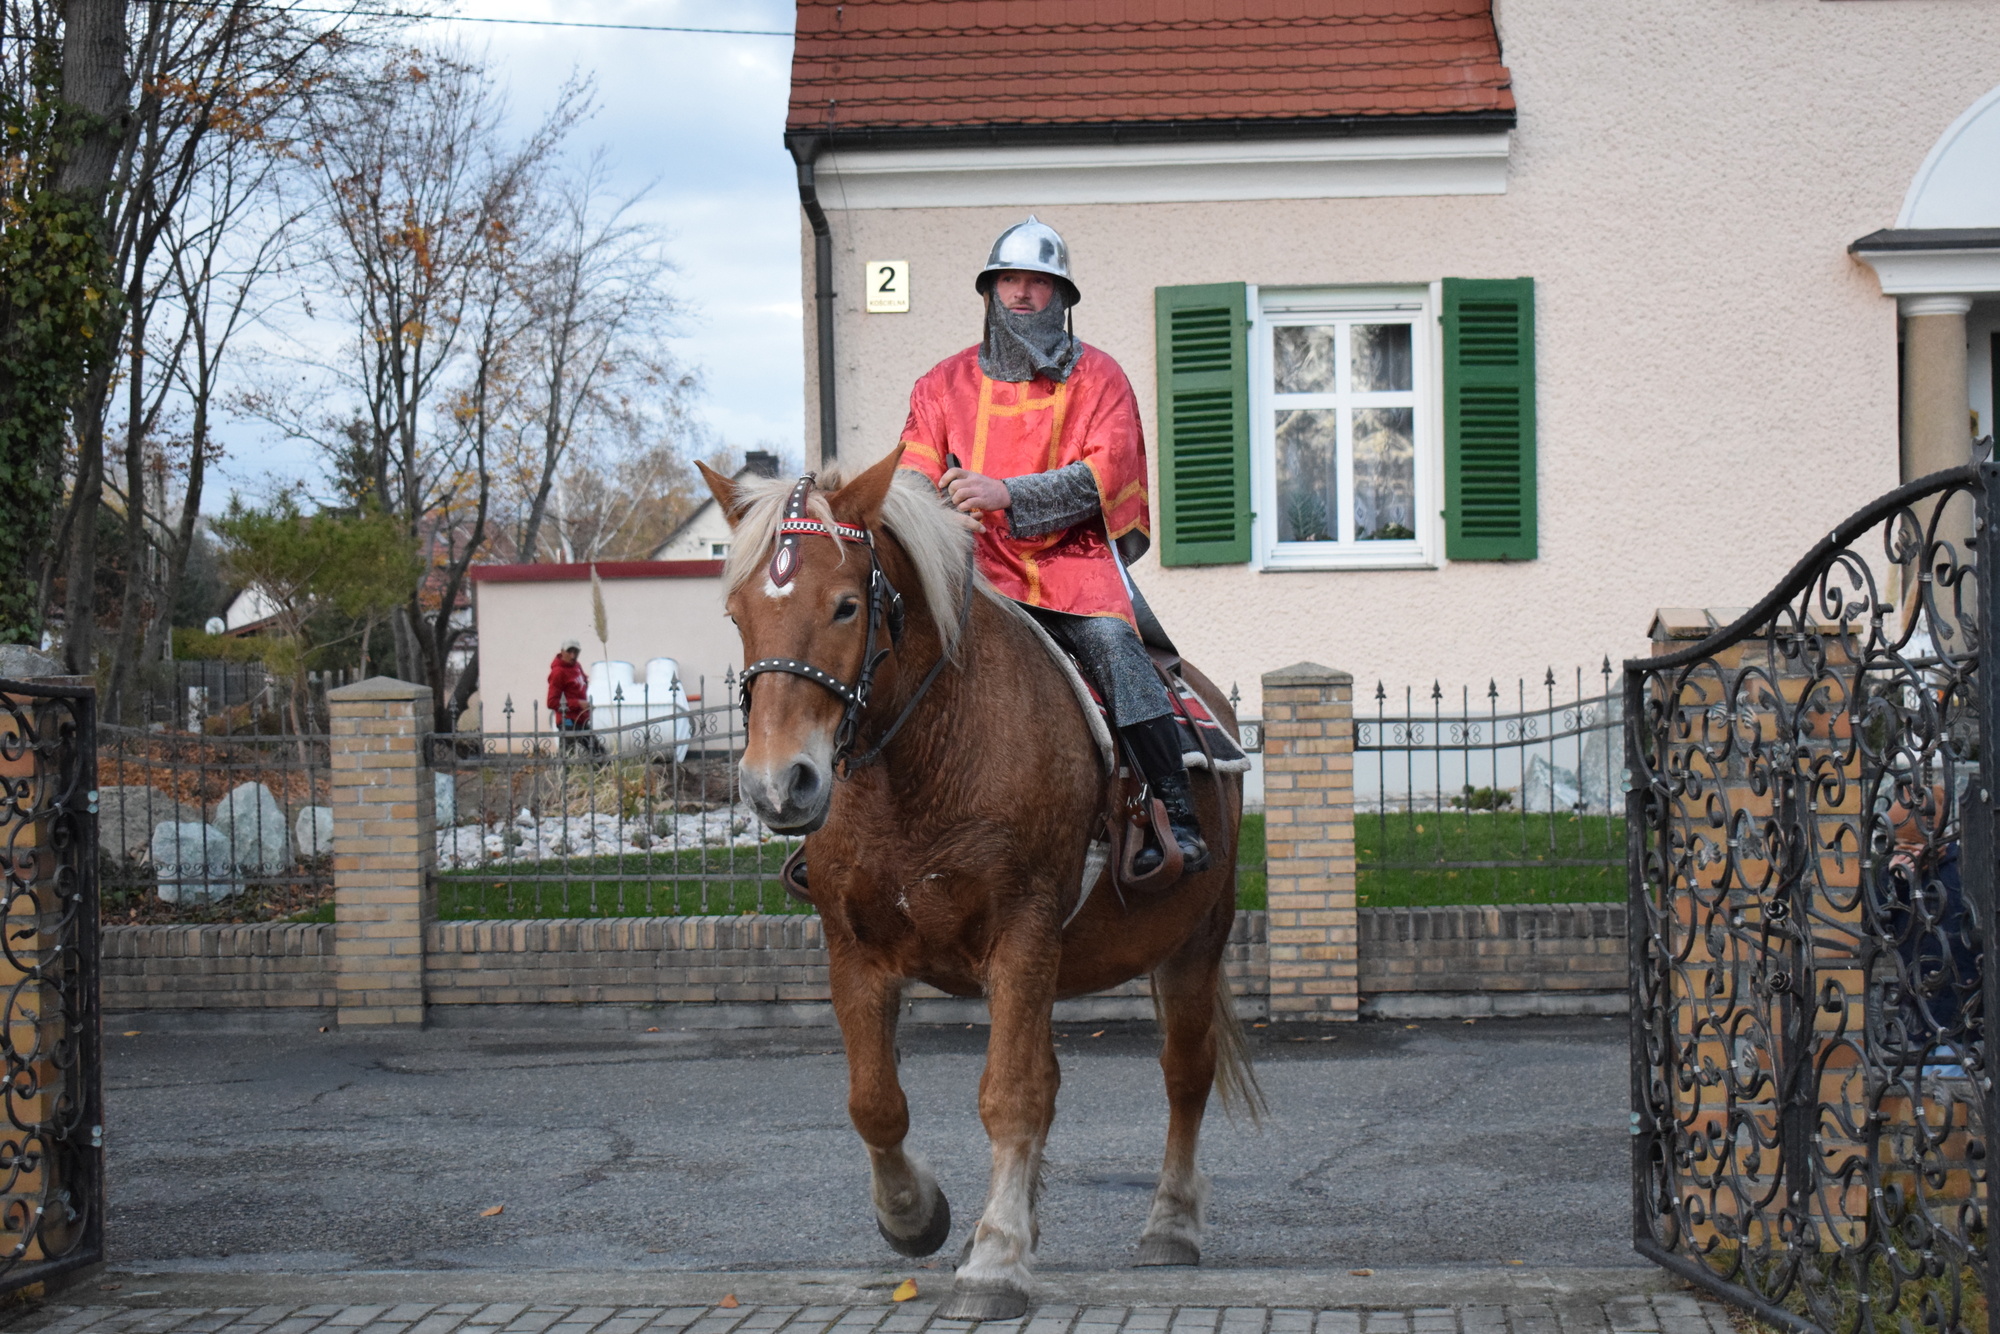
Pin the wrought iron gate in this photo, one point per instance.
(1811, 860)
(51, 1154)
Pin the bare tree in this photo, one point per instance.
(159, 95)
(426, 206)
(600, 315)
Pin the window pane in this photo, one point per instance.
(1308, 486)
(1302, 359)
(1381, 358)
(1385, 474)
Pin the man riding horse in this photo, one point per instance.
(1036, 435)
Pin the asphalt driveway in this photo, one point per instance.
(1442, 1143)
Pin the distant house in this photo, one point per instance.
(249, 612)
(1467, 333)
(704, 534)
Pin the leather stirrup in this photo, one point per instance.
(1133, 822)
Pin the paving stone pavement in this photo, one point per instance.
(1644, 1313)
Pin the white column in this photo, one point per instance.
(1937, 414)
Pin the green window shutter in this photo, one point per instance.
(1204, 386)
(1489, 418)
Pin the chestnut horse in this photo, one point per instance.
(918, 732)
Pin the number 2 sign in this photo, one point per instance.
(887, 282)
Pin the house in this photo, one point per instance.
(653, 609)
(704, 534)
(1468, 333)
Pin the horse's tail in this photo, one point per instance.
(1235, 1077)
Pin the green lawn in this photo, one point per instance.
(745, 879)
(664, 885)
(1428, 843)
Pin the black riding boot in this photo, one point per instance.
(1156, 746)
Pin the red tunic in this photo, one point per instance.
(1007, 430)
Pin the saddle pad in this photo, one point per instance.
(1190, 712)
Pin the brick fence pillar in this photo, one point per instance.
(1309, 842)
(384, 844)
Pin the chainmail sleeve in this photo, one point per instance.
(1047, 502)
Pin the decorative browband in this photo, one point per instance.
(795, 524)
(846, 532)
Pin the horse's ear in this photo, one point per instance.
(861, 499)
(722, 489)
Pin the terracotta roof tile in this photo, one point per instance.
(934, 64)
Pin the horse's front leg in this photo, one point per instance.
(1017, 1102)
(910, 1210)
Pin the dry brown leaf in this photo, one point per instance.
(131, 1032)
(904, 1290)
(1362, 1273)
(494, 1212)
(729, 1302)
(652, 1030)
(1098, 1034)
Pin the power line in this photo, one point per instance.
(538, 23)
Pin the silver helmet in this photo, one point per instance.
(1034, 246)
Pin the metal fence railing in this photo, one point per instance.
(215, 697)
(196, 827)
(1491, 800)
(635, 816)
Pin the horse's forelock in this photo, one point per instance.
(760, 505)
(930, 532)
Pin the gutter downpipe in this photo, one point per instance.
(805, 151)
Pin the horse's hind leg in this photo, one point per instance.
(1017, 1101)
(910, 1210)
(1185, 994)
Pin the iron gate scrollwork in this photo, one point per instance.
(1810, 828)
(51, 1155)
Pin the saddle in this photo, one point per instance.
(1131, 815)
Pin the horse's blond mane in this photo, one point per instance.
(931, 533)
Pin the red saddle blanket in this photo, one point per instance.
(1197, 726)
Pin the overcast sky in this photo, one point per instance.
(699, 118)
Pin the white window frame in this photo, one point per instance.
(1274, 306)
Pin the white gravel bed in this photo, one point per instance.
(528, 838)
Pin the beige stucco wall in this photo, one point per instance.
(1717, 377)
(522, 624)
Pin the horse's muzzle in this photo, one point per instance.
(792, 798)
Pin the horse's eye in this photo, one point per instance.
(846, 610)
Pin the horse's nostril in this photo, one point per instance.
(804, 785)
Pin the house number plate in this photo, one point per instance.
(887, 282)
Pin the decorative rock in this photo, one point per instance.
(192, 863)
(250, 818)
(127, 816)
(312, 832)
(446, 788)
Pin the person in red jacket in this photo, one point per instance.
(569, 689)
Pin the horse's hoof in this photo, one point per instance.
(926, 1242)
(983, 1301)
(1166, 1251)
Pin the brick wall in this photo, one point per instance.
(218, 967)
(629, 960)
(1554, 947)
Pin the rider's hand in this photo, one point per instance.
(974, 493)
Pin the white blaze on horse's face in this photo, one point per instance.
(786, 773)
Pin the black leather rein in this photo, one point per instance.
(884, 602)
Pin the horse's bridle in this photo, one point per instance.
(884, 603)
